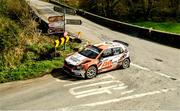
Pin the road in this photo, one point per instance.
(151, 83)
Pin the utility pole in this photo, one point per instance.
(64, 13)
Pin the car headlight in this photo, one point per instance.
(79, 67)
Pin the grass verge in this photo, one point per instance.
(30, 70)
(34, 68)
(162, 26)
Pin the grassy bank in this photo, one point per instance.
(25, 52)
(30, 69)
(163, 26)
(34, 68)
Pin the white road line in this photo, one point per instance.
(164, 75)
(119, 85)
(120, 88)
(94, 93)
(140, 67)
(94, 90)
(72, 90)
(86, 81)
(129, 97)
(127, 92)
(159, 73)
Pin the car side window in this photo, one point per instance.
(117, 50)
(107, 53)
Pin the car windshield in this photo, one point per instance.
(91, 52)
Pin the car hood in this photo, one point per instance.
(76, 59)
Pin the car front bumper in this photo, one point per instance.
(73, 72)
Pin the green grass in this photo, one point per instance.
(30, 69)
(34, 68)
(162, 26)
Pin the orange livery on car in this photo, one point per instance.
(98, 58)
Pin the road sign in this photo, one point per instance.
(55, 30)
(67, 38)
(55, 18)
(56, 43)
(61, 41)
(56, 24)
(73, 21)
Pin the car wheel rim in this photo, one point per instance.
(91, 72)
(126, 63)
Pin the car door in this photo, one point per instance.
(117, 56)
(105, 60)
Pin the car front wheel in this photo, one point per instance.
(91, 72)
(126, 63)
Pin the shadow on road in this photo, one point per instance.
(61, 75)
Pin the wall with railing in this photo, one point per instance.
(161, 37)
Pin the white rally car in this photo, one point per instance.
(98, 58)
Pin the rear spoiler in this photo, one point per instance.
(121, 42)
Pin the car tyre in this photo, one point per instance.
(126, 63)
(91, 72)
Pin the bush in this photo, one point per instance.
(8, 33)
(16, 9)
(35, 52)
(11, 12)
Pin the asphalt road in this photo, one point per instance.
(151, 83)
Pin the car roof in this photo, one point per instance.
(109, 44)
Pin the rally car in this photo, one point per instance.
(97, 58)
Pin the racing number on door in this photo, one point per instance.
(107, 64)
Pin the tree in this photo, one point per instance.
(147, 8)
(133, 9)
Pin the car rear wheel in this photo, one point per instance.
(126, 63)
(91, 72)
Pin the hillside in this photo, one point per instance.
(25, 51)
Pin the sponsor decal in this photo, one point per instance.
(107, 64)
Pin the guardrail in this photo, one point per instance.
(166, 38)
